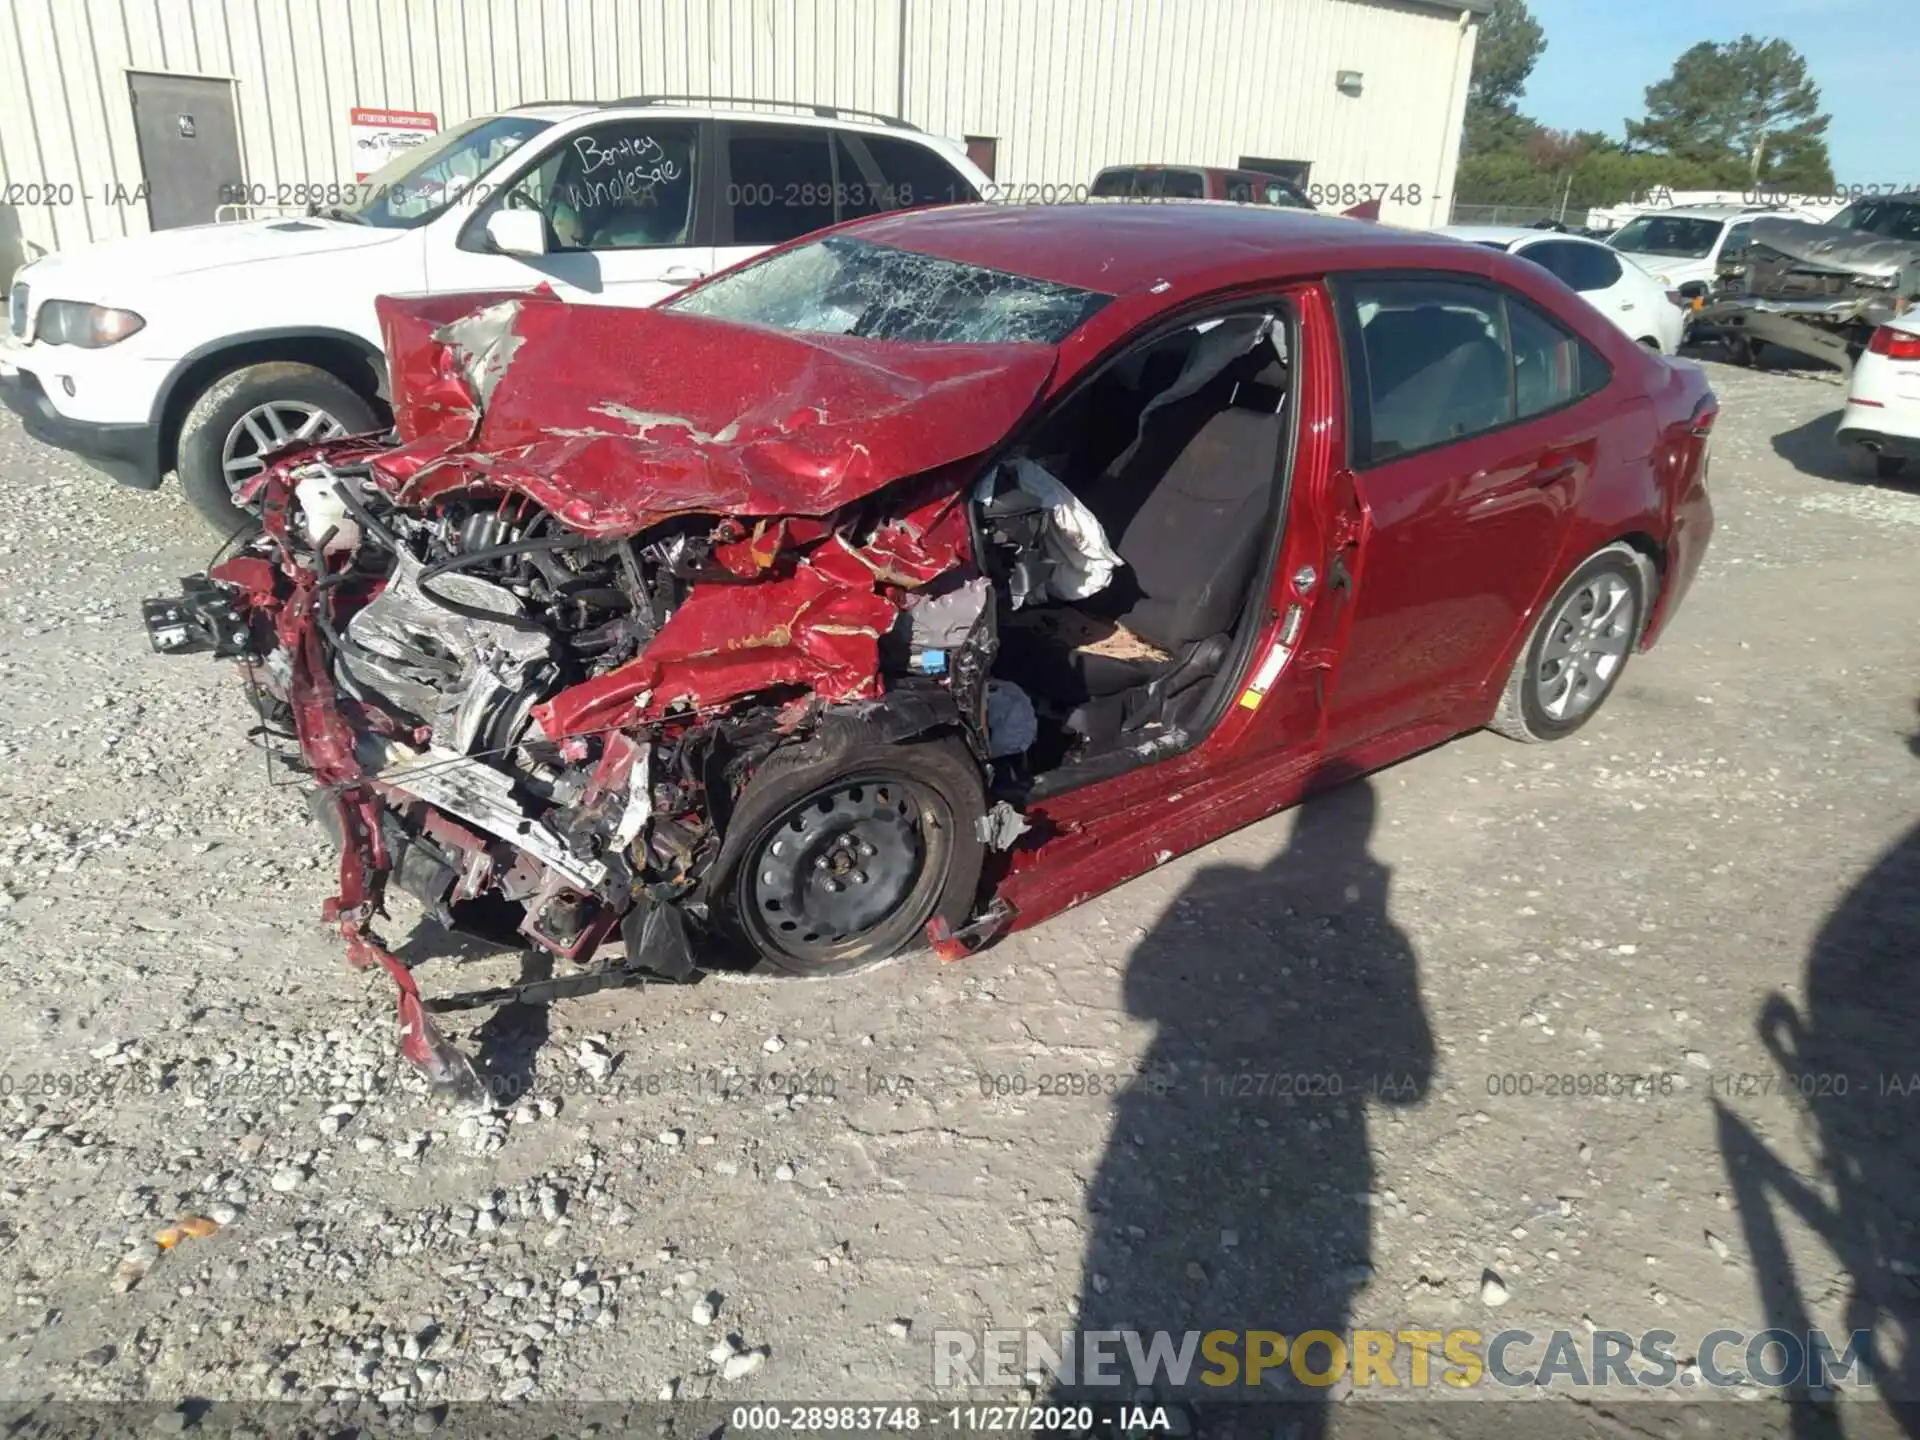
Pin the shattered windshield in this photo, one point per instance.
(1896, 219)
(844, 286)
(1688, 239)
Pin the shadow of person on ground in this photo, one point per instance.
(510, 1040)
(1850, 1062)
(507, 1044)
(1234, 1193)
(1814, 449)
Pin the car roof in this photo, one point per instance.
(552, 109)
(1113, 246)
(1508, 234)
(1707, 212)
(704, 107)
(1233, 171)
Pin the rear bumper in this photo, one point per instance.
(127, 453)
(1855, 429)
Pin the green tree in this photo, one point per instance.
(1507, 48)
(1747, 108)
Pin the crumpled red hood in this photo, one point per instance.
(615, 419)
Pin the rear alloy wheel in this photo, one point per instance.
(839, 854)
(242, 417)
(1574, 657)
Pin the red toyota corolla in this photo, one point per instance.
(932, 574)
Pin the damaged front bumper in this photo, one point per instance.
(532, 651)
(589, 807)
(1817, 289)
(1827, 329)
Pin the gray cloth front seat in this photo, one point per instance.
(1192, 543)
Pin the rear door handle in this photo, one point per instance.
(682, 274)
(1551, 471)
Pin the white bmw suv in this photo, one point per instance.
(199, 350)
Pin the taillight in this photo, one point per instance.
(1895, 344)
(1704, 414)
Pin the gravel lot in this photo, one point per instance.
(1718, 879)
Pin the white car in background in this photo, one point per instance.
(202, 349)
(1653, 314)
(1682, 249)
(1880, 428)
(1684, 246)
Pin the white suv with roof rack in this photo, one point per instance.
(1683, 246)
(199, 349)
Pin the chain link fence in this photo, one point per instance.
(1468, 214)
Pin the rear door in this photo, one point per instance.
(1474, 430)
(776, 185)
(783, 181)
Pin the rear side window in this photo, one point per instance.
(1185, 185)
(1431, 362)
(780, 182)
(878, 173)
(1586, 268)
(1240, 190)
(1551, 365)
(1114, 183)
(1597, 267)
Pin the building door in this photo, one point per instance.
(189, 146)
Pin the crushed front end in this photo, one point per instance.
(1818, 289)
(531, 650)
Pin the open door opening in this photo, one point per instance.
(1124, 537)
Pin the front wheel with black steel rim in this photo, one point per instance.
(838, 853)
(239, 420)
(1579, 646)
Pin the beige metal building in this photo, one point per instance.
(114, 114)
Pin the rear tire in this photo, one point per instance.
(216, 440)
(839, 851)
(1869, 464)
(1578, 648)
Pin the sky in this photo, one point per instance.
(1863, 54)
